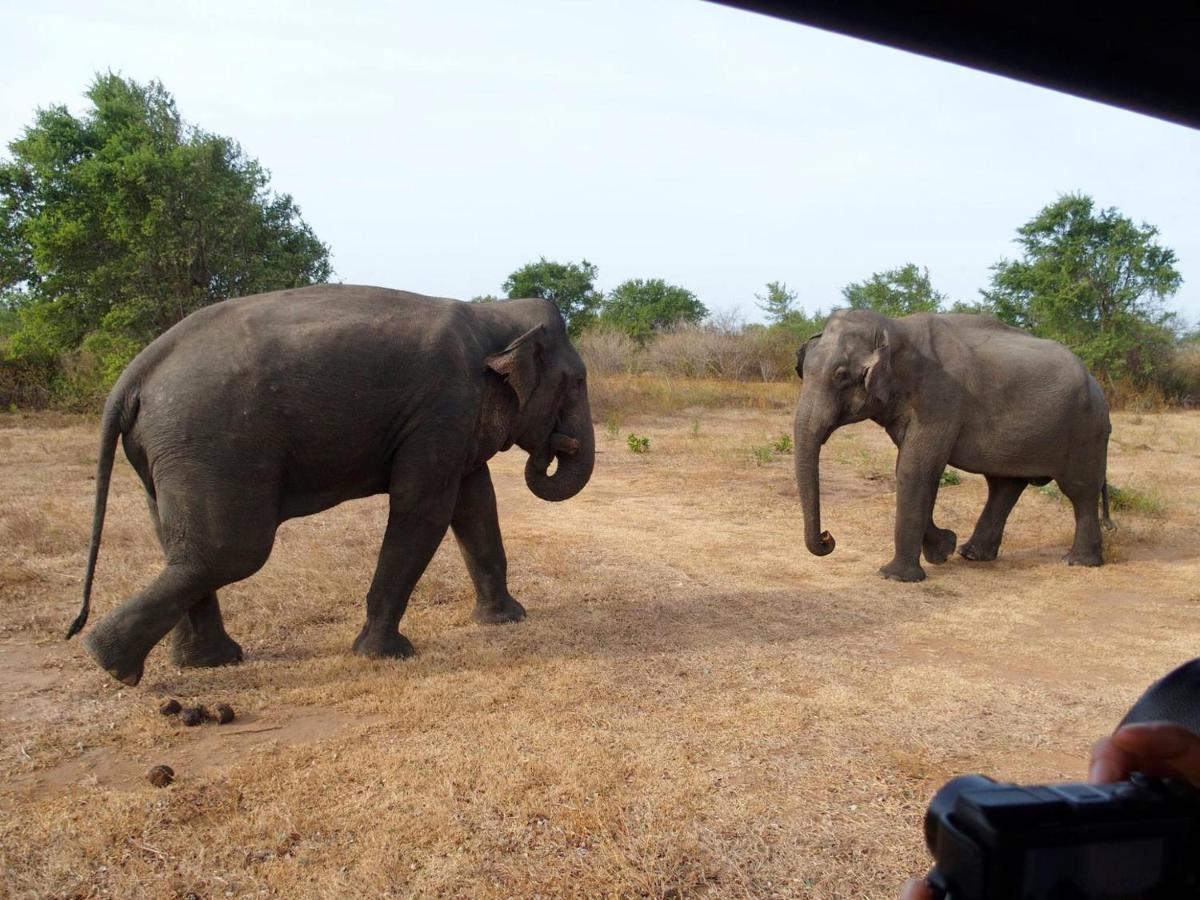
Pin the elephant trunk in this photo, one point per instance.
(811, 431)
(574, 446)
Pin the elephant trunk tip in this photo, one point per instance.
(562, 443)
(823, 545)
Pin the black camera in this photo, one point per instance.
(1134, 840)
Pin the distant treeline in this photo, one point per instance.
(116, 225)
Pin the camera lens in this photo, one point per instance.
(943, 802)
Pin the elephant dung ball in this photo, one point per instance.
(160, 776)
(224, 713)
(193, 715)
(170, 708)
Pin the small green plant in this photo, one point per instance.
(1050, 490)
(612, 425)
(783, 444)
(695, 428)
(763, 455)
(949, 477)
(1133, 500)
(637, 444)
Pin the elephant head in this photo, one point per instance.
(537, 399)
(847, 374)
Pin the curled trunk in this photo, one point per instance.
(574, 446)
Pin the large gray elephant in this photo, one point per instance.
(964, 390)
(265, 408)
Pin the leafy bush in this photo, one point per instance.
(949, 477)
(783, 444)
(637, 444)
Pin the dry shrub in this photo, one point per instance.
(773, 351)
(715, 349)
(1127, 396)
(25, 383)
(606, 351)
(1185, 375)
(722, 347)
(615, 397)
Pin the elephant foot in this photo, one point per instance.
(977, 552)
(374, 645)
(938, 549)
(224, 651)
(1091, 558)
(903, 571)
(497, 613)
(117, 662)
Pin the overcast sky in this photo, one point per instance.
(436, 145)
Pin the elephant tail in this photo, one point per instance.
(118, 417)
(1108, 523)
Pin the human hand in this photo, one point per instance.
(1157, 749)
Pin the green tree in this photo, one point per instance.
(569, 286)
(896, 292)
(640, 307)
(779, 303)
(1094, 281)
(120, 223)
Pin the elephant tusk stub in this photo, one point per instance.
(561, 443)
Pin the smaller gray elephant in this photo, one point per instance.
(960, 390)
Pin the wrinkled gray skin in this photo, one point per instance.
(963, 390)
(265, 408)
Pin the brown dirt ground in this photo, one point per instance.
(695, 705)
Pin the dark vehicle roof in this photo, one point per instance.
(1142, 57)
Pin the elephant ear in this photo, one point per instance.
(804, 348)
(879, 370)
(519, 364)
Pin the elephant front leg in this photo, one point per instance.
(477, 530)
(917, 469)
(416, 525)
(984, 543)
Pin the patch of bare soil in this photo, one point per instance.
(28, 684)
(695, 705)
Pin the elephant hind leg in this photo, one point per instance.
(1088, 547)
(121, 641)
(984, 543)
(937, 543)
(199, 639)
(210, 539)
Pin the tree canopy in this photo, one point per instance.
(119, 223)
(569, 286)
(641, 307)
(778, 303)
(896, 292)
(1094, 281)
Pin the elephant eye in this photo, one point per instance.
(840, 375)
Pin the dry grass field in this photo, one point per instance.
(694, 707)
